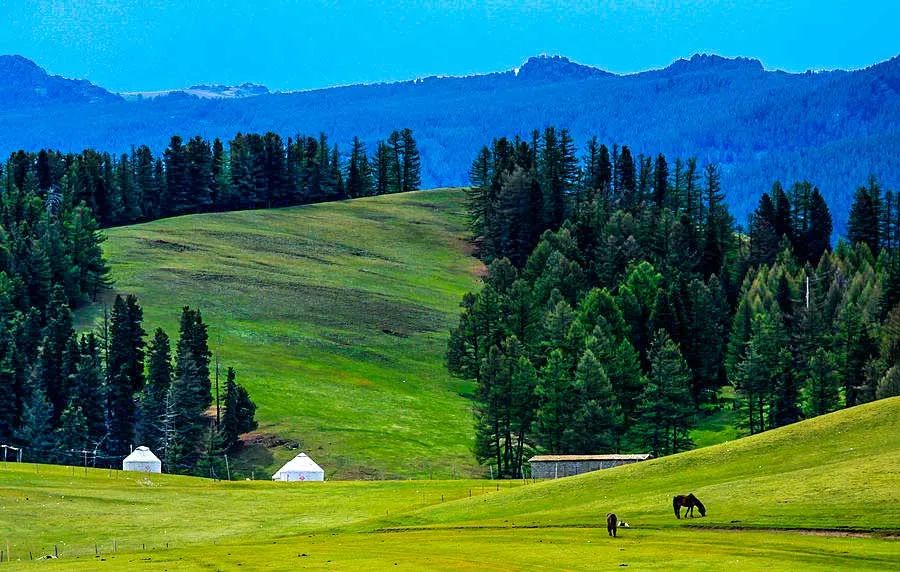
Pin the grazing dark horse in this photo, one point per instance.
(688, 501)
(612, 521)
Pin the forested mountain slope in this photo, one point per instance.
(833, 128)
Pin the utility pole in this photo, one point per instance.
(807, 292)
(218, 414)
(84, 454)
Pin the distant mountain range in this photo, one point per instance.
(834, 128)
(205, 92)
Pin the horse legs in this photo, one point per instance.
(689, 511)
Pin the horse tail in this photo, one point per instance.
(675, 506)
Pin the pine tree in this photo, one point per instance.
(10, 385)
(478, 195)
(717, 230)
(783, 213)
(515, 217)
(72, 435)
(87, 256)
(194, 340)
(337, 177)
(864, 225)
(411, 170)
(36, 429)
(823, 385)
(211, 462)
(394, 163)
(147, 185)
(184, 421)
(239, 415)
(178, 193)
(599, 168)
(218, 180)
(505, 409)
(598, 420)
(554, 413)
(359, 175)
(818, 235)
(57, 335)
(764, 239)
(626, 180)
(748, 378)
(661, 181)
(125, 372)
(663, 419)
(385, 171)
(87, 390)
(622, 365)
(189, 395)
(786, 404)
(552, 180)
(159, 380)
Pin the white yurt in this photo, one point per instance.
(142, 460)
(300, 468)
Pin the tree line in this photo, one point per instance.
(95, 395)
(66, 395)
(621, 298)
(198, 175)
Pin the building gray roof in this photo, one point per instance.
(561, 458)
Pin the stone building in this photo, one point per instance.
(555, 466)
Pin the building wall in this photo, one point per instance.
(142, 466)
(555, 469)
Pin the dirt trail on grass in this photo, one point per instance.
(881, 534)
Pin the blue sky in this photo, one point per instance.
(154, 44)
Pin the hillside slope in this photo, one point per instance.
(838, 471)
(833, 128)
(335, 317)
(836, 474)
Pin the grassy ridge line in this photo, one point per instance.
(335, 317)
(838, 471)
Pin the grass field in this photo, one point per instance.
(335, 317)
(839, 471)
(818, 495)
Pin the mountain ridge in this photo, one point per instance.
(834, 128)
(543, 66)
(24, 81)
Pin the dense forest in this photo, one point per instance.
(254, 171)
(621, 302)
(86, 398)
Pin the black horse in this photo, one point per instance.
(688, 501)
(612, 523)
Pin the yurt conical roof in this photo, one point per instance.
(300, 463)
(142, 455)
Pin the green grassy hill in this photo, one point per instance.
(838, 471)
(821, 494)
(335, 317)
